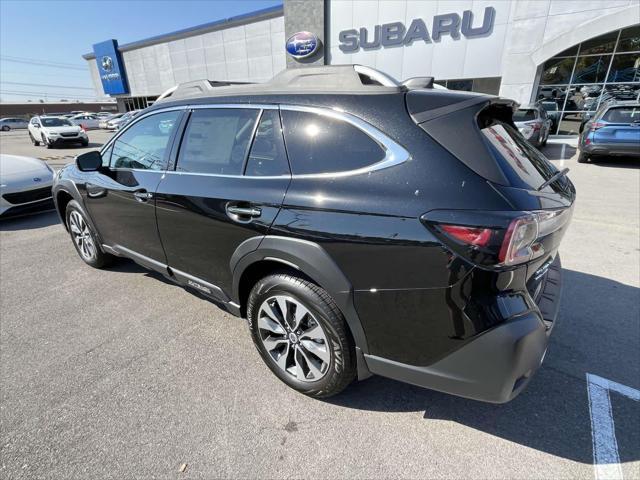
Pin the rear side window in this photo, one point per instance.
(524, 115)
(144, 145)
(622, 115)
(216, 141)
(320, 144)
(267, 156)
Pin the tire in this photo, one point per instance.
(583, 158)
(78, 225)
(6, 128)
(33, 140)
(325, 356)
(85, 143)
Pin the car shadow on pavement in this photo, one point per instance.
(558, 151)
(597, 332)
(30, 222)
(616, 162)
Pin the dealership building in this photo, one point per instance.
(571, 55)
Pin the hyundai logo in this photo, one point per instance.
(302, 44)
(107, 63)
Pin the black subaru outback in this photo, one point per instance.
(360, 225)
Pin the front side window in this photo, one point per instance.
(320, 144)
(216, 141)
(267, 156)
(145, 144)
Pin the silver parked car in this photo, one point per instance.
(26, 185)
(533, 123)
(12, 123)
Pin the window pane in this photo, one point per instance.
(524, 115)
(583, 97)
(621, 92)
(622, 115)
(602, 44)
(216, 141)
(629, 39)
(267, 156)
(570, 123)
(144, 144)
(625, 68)
(319, 144)
(557, 71)
(591, 69)
(553, 94)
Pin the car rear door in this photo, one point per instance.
(227, 186)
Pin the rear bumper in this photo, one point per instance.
(613, 149)
(497, 365)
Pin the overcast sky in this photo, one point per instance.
(42, 42)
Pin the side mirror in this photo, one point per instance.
(89, 162)
(37, 125)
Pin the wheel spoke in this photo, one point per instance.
(74, 228)
(282, 359)
(301, 312)
(266, 323)
(299, 370)
(273, 342)
(314, 333)
(282, 304)
(316, 349)
(313, 369)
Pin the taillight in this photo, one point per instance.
(596, 125)
(505, 239)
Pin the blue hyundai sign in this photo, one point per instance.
(111, 67)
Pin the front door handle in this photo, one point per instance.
(243, 212)
(143, 195)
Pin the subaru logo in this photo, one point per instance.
(302, 44)
(37, 179)
(107, 63)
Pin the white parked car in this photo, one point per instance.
(118, 123)
(7, 124)
(55, 131)
(25, 185)
(104, 121)
(85, 120)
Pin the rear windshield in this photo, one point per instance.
(523, 165)
(622, 115)
(56, 122)
(524, 115)
(550, 106)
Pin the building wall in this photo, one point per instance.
(525, 34)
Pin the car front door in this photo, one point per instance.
(227, 186)
(120, 196)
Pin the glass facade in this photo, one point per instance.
(581, 78)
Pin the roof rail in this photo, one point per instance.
(316, 79)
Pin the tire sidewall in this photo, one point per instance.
(339, 348)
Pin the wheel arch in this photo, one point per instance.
(259, 256)
(62, 199)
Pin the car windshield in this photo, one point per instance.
(550, 106)
(524, 115)
(622, 115)
(56, 122)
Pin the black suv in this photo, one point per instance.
(360, 225)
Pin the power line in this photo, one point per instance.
(42, 63)
(43, 94)
(44, 85)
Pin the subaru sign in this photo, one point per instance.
(397, 34)
(302, 45)
(111, 68)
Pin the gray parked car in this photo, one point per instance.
(533, 123)
(7, 124)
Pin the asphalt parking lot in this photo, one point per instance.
(119, 374)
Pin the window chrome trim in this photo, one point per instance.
(395, 154)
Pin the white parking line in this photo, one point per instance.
(606, 460)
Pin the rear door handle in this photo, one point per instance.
(244, 212)
(143, 195)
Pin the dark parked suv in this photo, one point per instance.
(361, 226)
